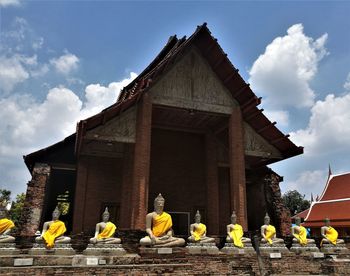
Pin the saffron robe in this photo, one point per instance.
(301, 236)
(161, 224)
(199, 231)
(56, 229)
(269, 233)
(108, 231)
(332, 235)
(5, 224)
(236, 235)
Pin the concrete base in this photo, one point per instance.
(8, 249)
(334, 249)
(162, 251)
(104, 249)
(266, 249)
(304, 250)
(202, 248)
(231, 249)
(59, 249)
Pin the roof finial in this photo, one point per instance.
(329, 170)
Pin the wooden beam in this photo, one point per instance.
(239, 91)
(221, 60)
(254, 114)
(230, 76)
(279, 139)
(266, 127)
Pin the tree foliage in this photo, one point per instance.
(16, 208)
(5, 195)
(295, 202)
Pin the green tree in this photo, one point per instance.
(16, 208)
(295, 202)
(5, 195)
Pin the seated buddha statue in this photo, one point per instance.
(6, 226)
(104, 231)
(198, 231)
(268, 233)
(159, 227)
(53, 231)
(329, 234)
(299, 233)
(235, 232)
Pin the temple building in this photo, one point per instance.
(334, 203)
(187, 127)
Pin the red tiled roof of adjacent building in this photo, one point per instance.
(334, 203)
(302, 214)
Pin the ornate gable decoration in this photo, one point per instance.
(192, 84)
(120, 129)
(256, 145)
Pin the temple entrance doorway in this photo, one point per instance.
(181, 223)
(60, 192)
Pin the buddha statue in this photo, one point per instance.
(6, 226)
(105, 231)
(299, 233)
(198, 231)
(235, 232)
(159, 227)
(268, 233)
(53, 231)
(329, 234)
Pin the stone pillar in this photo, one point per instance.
(212, 185)
(237, 167)
(80, 193)
(34, 203)
(140, 179)
(126, 191)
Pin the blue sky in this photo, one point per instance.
(61, 61)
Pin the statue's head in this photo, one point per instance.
(267, 219)
(105, 215)
(297, 220)
(159, 203)
(327, 221)
(197, 217)
(233, 217)
(56, 214)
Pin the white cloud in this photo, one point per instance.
(65, 63)
(279, 116)
(27, 125)
(12, 72)
(283, 73)
(347, 83)
(6, 3)
(307, 182)
(328, 128)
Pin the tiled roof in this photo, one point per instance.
(334, 203)
(338, 211)
(224, 69)
(338, 186)
(302, 214)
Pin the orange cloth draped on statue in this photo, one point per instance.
(161, 224)
(301, 236)
(199, 231)
(56, 229)
(108, 231)
(270, 232)
(6, 224)
(236, 235)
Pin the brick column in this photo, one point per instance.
(80, 193)
(212, 185)
(140, 179)
(237, 167)
(125, 206)
(34, 203)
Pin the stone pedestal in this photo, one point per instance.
(59, 249)
(202, 248)
(230, 248)
(104, 249)
(162, 251)
(8, 249)
(266, 249)
(334, 249)
(304, 249)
